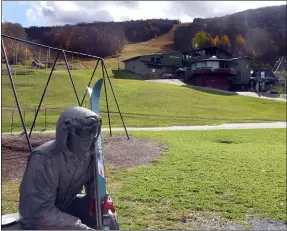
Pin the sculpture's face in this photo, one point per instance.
(82, 134)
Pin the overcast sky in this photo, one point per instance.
(47, 13)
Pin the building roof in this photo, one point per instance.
(37, 62)
(262, 68)
(161, 55)
(140, 56)
(244, 57)
(209, 48)
(214, 58)
(206, 48)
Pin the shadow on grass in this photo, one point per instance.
(213, 91)
(123, 74)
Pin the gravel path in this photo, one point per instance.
(118, 151)
(213, 221)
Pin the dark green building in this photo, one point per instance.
(242, 65)
(154, 64)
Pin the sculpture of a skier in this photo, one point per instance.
(57, 171)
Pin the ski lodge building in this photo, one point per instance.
(207, 67)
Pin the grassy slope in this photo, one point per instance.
(145, 103)
(199, 176)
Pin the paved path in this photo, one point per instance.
(179, 82)
(254, 94)
(192, 128)
(169, 81)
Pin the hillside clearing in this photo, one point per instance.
(161, 44)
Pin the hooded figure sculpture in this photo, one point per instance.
(57, 171)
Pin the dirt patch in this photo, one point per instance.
(227, 141)
(213, 221)
(118, 151)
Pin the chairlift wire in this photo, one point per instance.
(25, 76)
(15, 69)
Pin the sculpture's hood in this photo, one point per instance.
(73, 116)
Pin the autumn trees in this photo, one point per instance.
(200, 40)
(224, 42)
(91, 39)
(16, 52)
(203, 39)
(257, 31)
(240, 45)
(97, 38)
(100, 38)
(215, 41)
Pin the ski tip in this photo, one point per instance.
(90, 91)
(98, 84)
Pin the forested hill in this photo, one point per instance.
(262, 30)
(98, 38)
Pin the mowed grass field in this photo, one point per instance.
(142, 103)
(236, 175)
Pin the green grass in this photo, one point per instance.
(233, 173)
(143, 103)
(236, 174)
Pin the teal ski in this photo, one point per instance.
(105, 205)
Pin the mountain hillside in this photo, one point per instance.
(102, 39)
(263, 30)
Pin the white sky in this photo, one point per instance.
(71, 12)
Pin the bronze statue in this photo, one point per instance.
(57, 171)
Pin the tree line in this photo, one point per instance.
(203, 39)
(97, 38)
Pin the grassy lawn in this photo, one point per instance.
(235, 174)
(142, 103)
